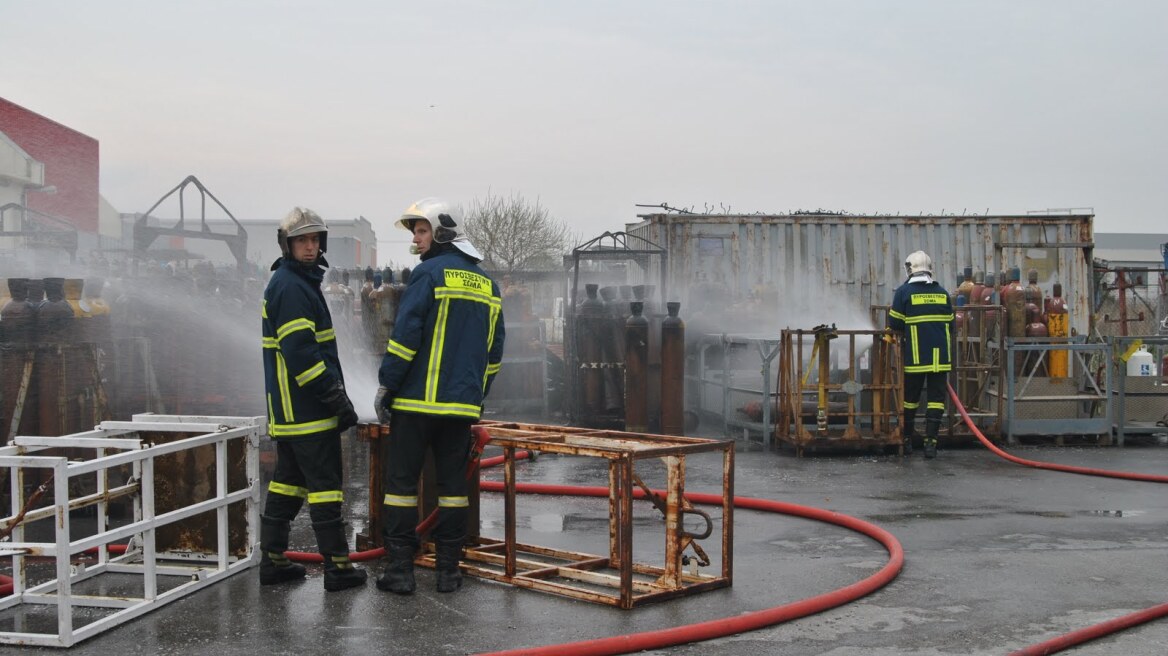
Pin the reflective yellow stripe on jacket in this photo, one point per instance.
(289, 430)
(436, 408)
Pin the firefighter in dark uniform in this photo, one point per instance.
(923, 314)
(442, 356)
(308, 408)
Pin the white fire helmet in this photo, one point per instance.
(918, 262)
(446, 222)
(301, 221)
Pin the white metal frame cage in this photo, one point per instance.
(118, 445)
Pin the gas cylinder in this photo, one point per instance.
(1012, 283)
(95, 311)
(959, 315)
(36, 292)
(1057, 325)
(373, 328)
(1141, 363)
(366, 312)
(590, 324)
(645, 294)
(1033, 310)
(73, 288)
(989, 297)
(1034, 290)
(636, 370)
(612, 347)
(388, 297)
(978, 288)
(18, 315)
(973, 319)
(348, 292)
(1015, 302)
(965, 286)
(55, 316)
(1034, 325)
(673, 371)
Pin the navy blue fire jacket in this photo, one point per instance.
(300, 353)
(447, 342)
(923, 312)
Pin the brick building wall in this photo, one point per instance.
(71, 165)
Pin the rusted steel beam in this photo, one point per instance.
(509, 509)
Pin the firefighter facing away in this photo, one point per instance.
(922, 312)
(308, 408)
(441, 358)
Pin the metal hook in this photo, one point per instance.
(704, 515)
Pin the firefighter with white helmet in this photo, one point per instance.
(308, 408)
(923, 314)
(443, 354)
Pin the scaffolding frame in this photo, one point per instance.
(116, 445)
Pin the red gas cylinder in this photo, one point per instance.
(1034, 325)
(978, 288)
(988, 294)
(1032, 288)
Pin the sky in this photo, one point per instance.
(358, 108)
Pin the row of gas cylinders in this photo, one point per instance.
(39, 309)
(380, 295)
(630, 360)
(1029, 313)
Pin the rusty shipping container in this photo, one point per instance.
(860, 258)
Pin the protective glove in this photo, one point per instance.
(381, 404)
(889, 338)
(337, 401)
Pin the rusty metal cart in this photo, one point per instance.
(612, 579)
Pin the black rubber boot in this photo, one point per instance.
(932, 427)
(398, 576)
(449, 578)
(908, 427)
(339, 571)
(274, 566)
(930, 448)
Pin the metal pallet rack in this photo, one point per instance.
(151, 572)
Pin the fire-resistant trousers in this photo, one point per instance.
(933, 383)
(410, 436)
(307, 469)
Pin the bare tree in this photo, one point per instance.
(514, 234)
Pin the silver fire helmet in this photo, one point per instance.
(301, 221)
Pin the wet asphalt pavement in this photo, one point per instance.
(997, 557)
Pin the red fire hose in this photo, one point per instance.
(679, 635)
(1131, 476)
(1087, 634)
(705, 630)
